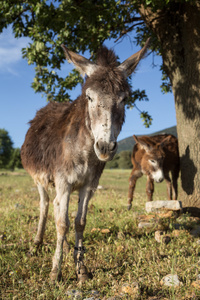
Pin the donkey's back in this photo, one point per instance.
(43, 137)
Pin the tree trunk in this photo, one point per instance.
(178, 31)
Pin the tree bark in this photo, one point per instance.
(178, 31)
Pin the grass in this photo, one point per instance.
(118, 252)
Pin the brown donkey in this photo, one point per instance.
(156, 157)
(68, 144)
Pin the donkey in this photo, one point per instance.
(156, 157)
(68, 145)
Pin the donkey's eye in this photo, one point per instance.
(89, 98)
(152, 161)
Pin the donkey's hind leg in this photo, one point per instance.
(175, 175)
(44, 206)
(169, 186)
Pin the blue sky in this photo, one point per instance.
(19, 103)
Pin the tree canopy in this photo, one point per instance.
(82, 25)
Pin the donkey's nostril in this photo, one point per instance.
(112, 146)
(100, 145)
(105, 148)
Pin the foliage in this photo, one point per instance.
(15, 160)
(82, 25)
(6, 148)
(9, 157)
(121, 160)
(123, 255)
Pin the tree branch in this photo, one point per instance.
(124, 32)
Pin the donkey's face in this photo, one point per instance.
(105, 89)
(152, 164)
(152, 156)
(106, 114)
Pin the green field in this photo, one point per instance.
(120, 255)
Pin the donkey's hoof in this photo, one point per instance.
(129, 206)
(55, 276)
(82, 274)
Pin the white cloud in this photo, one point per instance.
(10, 51)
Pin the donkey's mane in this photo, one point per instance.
(108, 78)
(106, 57)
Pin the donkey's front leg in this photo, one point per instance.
(135, 174)
(149, 188)
(62, 226)
(80, 221)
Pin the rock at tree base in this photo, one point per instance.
(153, 206)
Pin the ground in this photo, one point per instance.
(125, 261)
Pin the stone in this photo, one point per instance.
(170, 280)
(74, 294)
(131, 289)
(95, 229)
(153, 206)
(106, 230)
(161, 237)
(93, 293)
(100, 187)
(145, 225)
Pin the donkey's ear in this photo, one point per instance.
(165, 141)
(129, 65)
(144, 143)
(135, 138)
(82, 64)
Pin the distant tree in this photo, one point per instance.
(114, 163)
(15, 160)
(121, 160)
(125, 160)
(84, 25)
(6, 148)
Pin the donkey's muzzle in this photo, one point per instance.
(105, 151)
